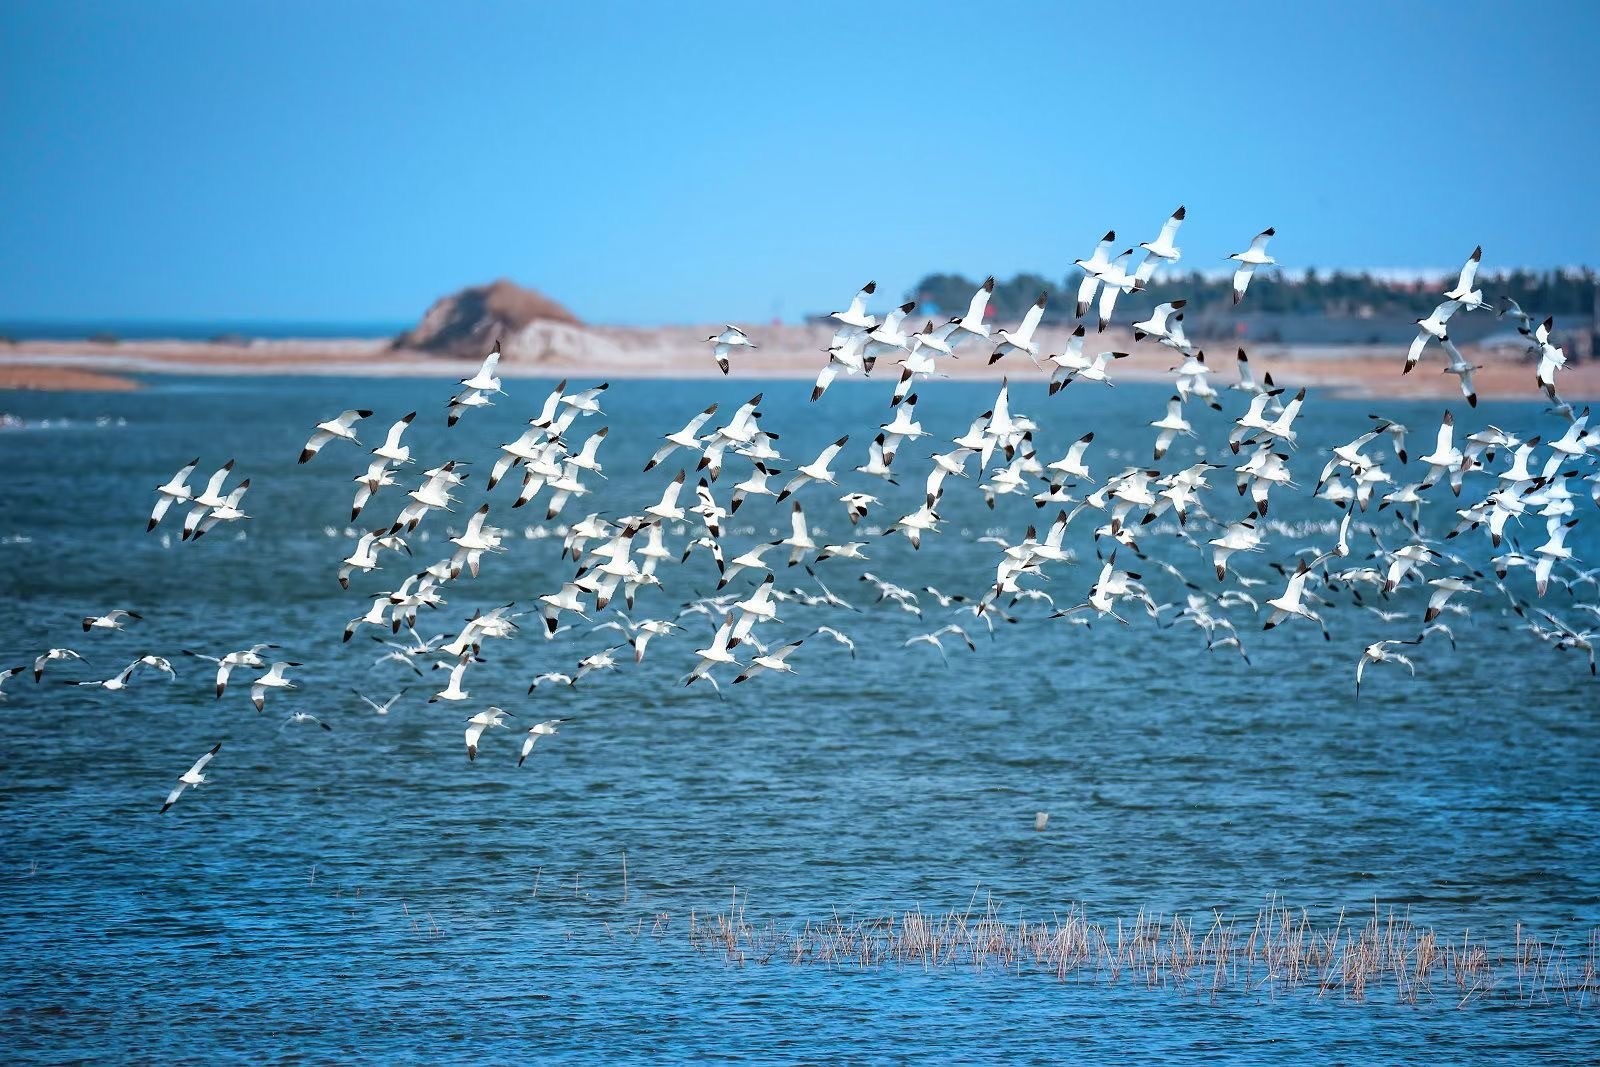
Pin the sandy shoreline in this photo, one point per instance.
(58, 379)
(787, 352)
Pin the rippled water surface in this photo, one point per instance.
(366, 892)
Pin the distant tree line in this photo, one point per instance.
(1338, 294)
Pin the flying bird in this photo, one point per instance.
(1248, 260)
(341, 427)
(194, 776)
(725, 342)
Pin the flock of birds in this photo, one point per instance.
(1494, 481)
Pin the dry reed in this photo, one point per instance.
(1276, 952)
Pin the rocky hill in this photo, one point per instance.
(467, 323)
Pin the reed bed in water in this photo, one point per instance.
(1277, 952)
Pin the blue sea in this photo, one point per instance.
(367, 893)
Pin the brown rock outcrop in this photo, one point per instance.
(468, 323)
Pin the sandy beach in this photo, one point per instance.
(58, 379)
(786, 352)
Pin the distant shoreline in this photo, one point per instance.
(787, 353)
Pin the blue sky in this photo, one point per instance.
(660, 162)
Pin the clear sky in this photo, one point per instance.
(656, 162)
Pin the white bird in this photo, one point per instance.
(273, 679)
(568, 598)
(799, 541)
(1459, 366)
(839, 637)
(759, 606)
(888, 336)
(1523, 320)
(847, 355)
(472, 542)
(750, 559)
(207, 499)
(250, 657)
(640, 633)
(1072, 365)
(1092, 268)
(667, 509)
(175, 491)
(972, 322)
(583, 402)
(877, 466)
(548, 728)
(458, 671)
(1248, 260)
(340, 427)
(1443, 590)
(1463, 290)
(553, 677)
(1156, 325)
(461, 402)
(1241, 536)
(855, 317)
(1108, 588)
(714, 654)
(753, 485)
(1554, 548)
(194, 776)
(1379, 652)
(385, 707)
(477, 724)
(159, 663)
(111, 620)
(50, 655)
(377, 476)
(688, 437)
(1161, 250)
(228, 512)
(392, 451)
(1290, 602)
(776, 660)
(1114, 281)
(856, 505)
(599, 661)
(816, 471)
(548, 411)
(847, 550)
(1021, 340)
(486, 380)
(1551, 357)
(119, 682)
(730, 338)
(903, 427)
(1170, 425)
(934, 640)
(710, 512)
(913, 526)
(1071, 465)
(1253, 421)
(5, 675)
(1446, 458)
(1434, 327)
(297, 717)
